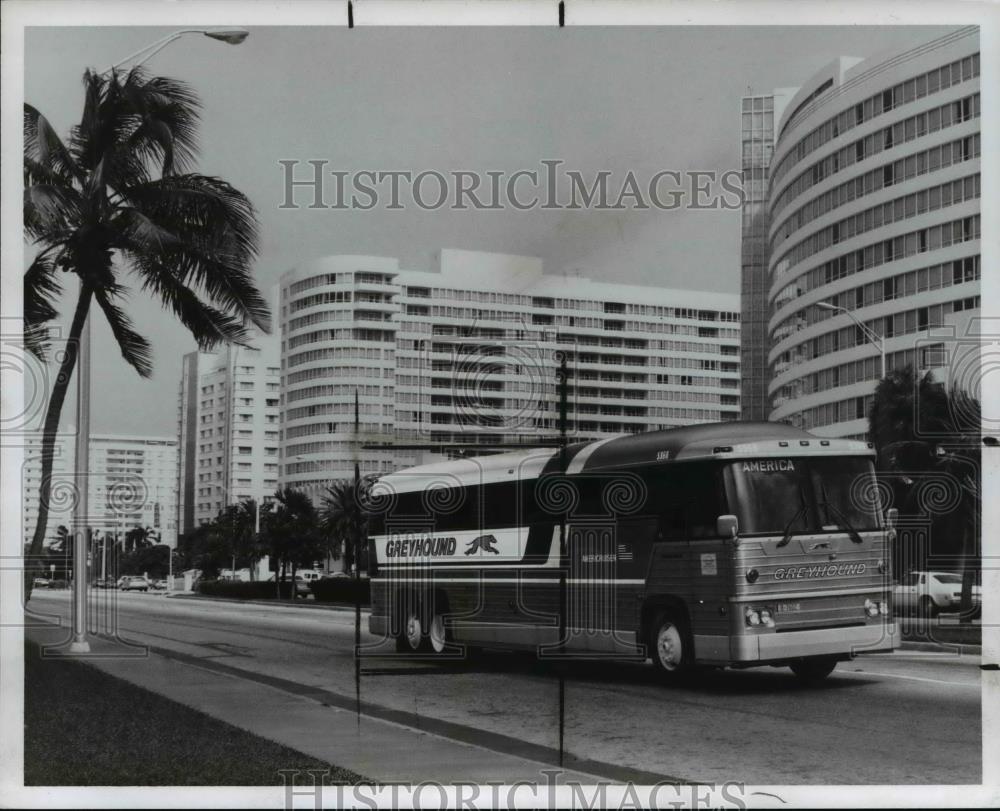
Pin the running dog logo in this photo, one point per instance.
(484, 543)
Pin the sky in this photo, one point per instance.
(470, 99)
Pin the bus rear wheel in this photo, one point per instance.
(814, 669)
(437, 634)
(670, 647)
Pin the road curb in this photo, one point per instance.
(268, 603)
(943, 647)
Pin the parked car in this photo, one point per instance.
(159, 585)
(928, 593)
(105, 583)
(302, 582)
(134, 583)
(40, 582)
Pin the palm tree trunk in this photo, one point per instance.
(51, 427)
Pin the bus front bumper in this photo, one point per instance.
(772, 647)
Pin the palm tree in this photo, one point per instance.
(238, 521)
(139, 537)
(343, 519)
(291, 531)
(920, 428)
(117, 197)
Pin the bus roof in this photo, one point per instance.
(709, 440)
(717, 439)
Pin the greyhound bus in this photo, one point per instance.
(720, 545)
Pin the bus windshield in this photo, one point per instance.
(831, 494)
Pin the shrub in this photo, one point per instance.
(259, 590)
(342, 590)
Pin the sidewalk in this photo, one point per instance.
(384, 751)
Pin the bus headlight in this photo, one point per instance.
(765, 618)
(881, 567)
(883, 607)
(752, 616)
(871, 608)
(752, 575)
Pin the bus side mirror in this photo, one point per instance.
(891, 517)
(727, 526)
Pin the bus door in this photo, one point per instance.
(710, 558)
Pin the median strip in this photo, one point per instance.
(461, 733)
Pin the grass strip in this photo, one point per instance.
(83, 727)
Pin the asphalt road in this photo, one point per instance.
(907, 717)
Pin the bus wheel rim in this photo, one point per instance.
(414, 632)
(669, 647)
(437, 634)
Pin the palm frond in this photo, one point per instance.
(44, 148)
(216, 229)
(135, 349)
(41, 288)
(169, 116)
(208, 325)
(50, 210)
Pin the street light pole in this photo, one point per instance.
(80, 523)
(871, 336)
(79, 644)
(231, 36)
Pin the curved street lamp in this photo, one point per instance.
(871, 336)
(231, 36)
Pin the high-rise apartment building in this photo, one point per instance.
(468, 356)
(874, 209)
(132, 482)
(63, 495)
(228, 428)
(757, 133)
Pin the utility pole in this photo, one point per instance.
(563, 557)
(356, 531)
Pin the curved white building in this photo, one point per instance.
(874, 205)
(338, 337)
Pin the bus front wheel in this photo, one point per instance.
(670, 646)
(814, 669)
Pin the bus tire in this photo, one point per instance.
(438, 636)
(412, 636)
(670, 646)
(814, 669)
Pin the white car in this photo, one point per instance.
(133, 583)
(927, 593)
